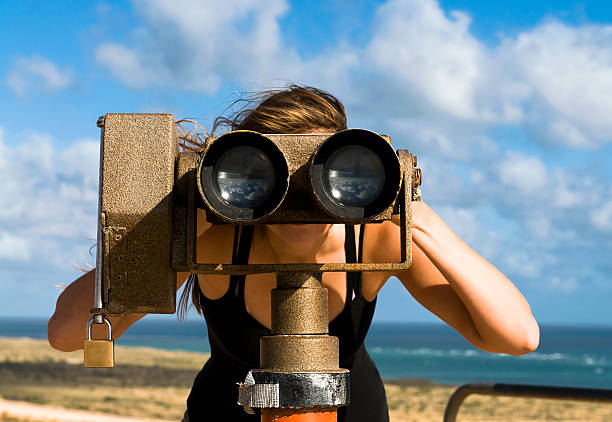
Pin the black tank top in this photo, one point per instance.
(234, 344)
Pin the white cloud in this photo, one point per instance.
(532, 220)
(48, 201)
(602, 217)
(37, 74)
(14, 248)
(539, 227)
(194, 45)
(434, 137)
(568, 71)
(126, 65)
(522, 263)
(566, 196)
(526, 174)
(525, 186)
(563, 285)
(554, 80)
(417, 46)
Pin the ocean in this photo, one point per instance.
(567, 356)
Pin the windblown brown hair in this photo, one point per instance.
(293, 109)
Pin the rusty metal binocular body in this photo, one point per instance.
(150, 192)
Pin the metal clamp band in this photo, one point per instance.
(297, 390)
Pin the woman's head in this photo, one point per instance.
(295, 109)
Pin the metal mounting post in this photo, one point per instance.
(300, 373)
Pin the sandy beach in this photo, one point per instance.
(40, 384)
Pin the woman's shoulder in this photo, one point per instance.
(381, 242)
(215, 244)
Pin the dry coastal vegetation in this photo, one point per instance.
(153, 384)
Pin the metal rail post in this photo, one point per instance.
(522, 390)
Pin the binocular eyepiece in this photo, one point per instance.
(352, 176)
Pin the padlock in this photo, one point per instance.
(99, 353)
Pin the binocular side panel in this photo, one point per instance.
(136, 182)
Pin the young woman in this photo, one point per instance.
(446, 276)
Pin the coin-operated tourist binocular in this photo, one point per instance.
(149, 197)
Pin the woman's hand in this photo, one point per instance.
(465, 290)
(67, 327)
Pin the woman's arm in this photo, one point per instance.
(465, 290)
(66, 328)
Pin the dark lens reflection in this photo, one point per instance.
(355, 175)
(244, 177)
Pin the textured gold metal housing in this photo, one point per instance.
(138, 154)
(149, 198)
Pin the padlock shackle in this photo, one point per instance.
(106, 321)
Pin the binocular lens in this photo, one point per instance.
(244, 177)
(354, 175)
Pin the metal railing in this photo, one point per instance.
(522, 390)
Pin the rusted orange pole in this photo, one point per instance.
(299, 415)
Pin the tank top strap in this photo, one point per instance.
(353, 278)
(361, 232)
(236, 242)
(359, 280)
(243, 237)
(350, 248)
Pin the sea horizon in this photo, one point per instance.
(577, 355)
(191, 319)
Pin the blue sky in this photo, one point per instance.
(507, 105)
